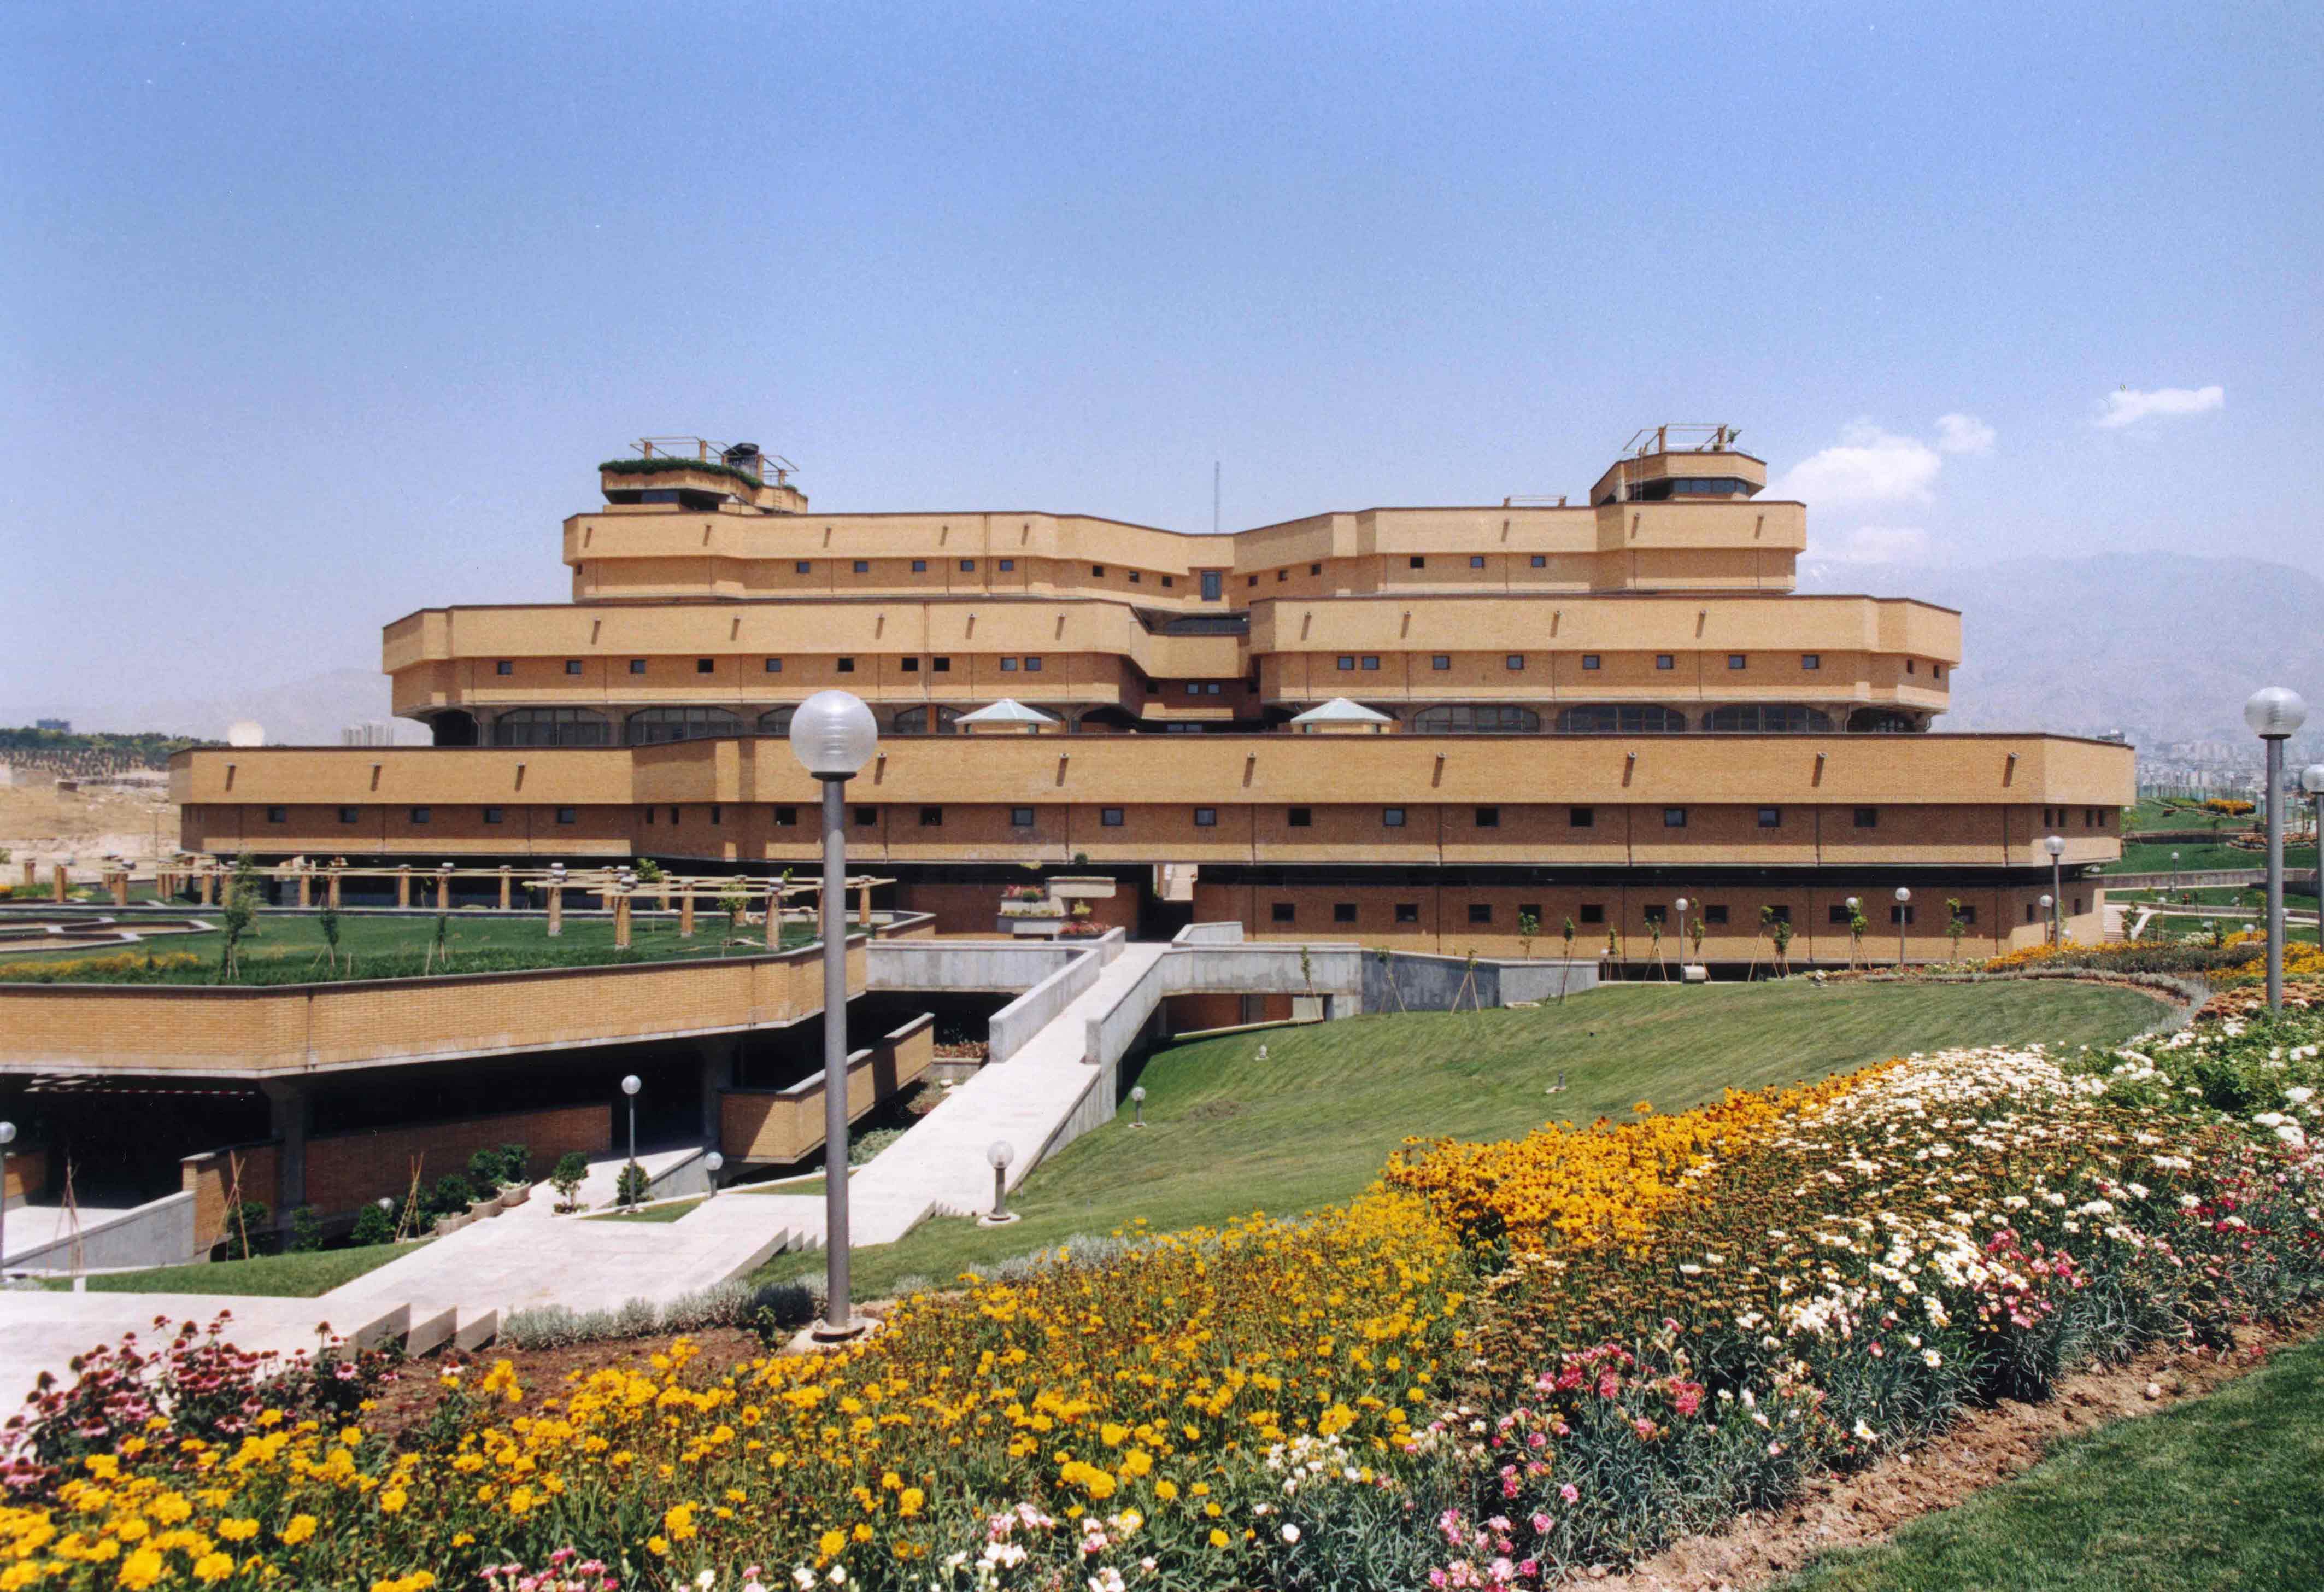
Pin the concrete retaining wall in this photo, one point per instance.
(1007, 1030)
(1271, 968)
(2192, 879)
(160, 1233)
(779, 1126)
(1415, 981)
(983, 965)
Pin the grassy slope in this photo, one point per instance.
(2221, 1492)
(284, 1276)
(2154, 857)
(1313, 1123)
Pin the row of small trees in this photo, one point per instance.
(1775, 927)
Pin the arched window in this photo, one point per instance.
(1466, 718)
(776, 721)
(551, 727)
(1768, 719)
(651, 726)
(1882, 721)
(1625, 718)
(914, 721)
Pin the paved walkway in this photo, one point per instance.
(456, 1289)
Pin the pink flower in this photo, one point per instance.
(1570, 1493)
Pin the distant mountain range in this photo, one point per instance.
(2162, 646)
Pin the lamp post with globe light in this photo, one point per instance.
(626, 1184)
(2311, 780)
(2055, 844)
(1904, 910)
(2274, 713)
(833, 736)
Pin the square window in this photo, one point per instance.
(496, 814)
(1899, 914)
(865, 816)
(1252, 580)
(1937, 669)
(911, 666)
(1514, 661)
(1008, 564)
(1715, 916)
(1481, 912)
(1371, 660)
(1664, 661)
(1109, 817)
(847, 666)
(1778, 915)
(1838, 915)
(1529, 909)
(278, 815)
(1302, 818)
(1867, 818)
(1283, 574)
(1908, 666)
(774, 666)
(1392, 817)
(940, 665)
(673, 815)
(1657, 914)
(1097, 570)
(1476, 560)
(1281, 911)
(1969, 914)
(1735, 660)
(1032, 666)
(1771, 818)
(1193, 688)
(1214, 689)
(1420, 563)
(569, 816)
(1136, 576)
(419, 815)
(932, 817)
(1348, 661)
(1167, 581)
(1314, 569)
(1593, 912)
(1343, 911)
(1540, 561)
(717, 813)
(1407, 912)
(1674, 817)
(637, 666)
(863, 566)
(1008, 665)
(1590, 661)
(920, 566)
(1441, 661)
(1020, 818)
(968, 566)
(802, 568)
(706, 665)
(1489, 818)
(572, 665)
(1811, 662)
(1580, 818)
(787, 818)
(649, 815)
(504, 667)
(347, 815)
(1206, 818)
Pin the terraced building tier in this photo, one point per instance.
(1411, 724)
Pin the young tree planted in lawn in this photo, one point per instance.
(328, 921)
(1694, 933)
(1955, 924)
(306, 1230)
(238, 915)
(733, 900)
(1779, 930)
(566, 1178)
(1566, 969)
(1856, 925)
(1528, 926)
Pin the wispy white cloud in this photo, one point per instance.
(1880, 544)
(1868, 465)
(1963, 433)
(2128, 406)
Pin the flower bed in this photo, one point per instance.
(1510, 1360)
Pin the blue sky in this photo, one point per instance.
(313, 315)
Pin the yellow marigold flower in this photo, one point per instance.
(237, 1531)
(301, 1527)
(658, 1546)
(909, 1500)
(141, 1569)
(1217, 1537)
(1166, 1489)
(214, 1567)
(391, 1500)
(832, 1543)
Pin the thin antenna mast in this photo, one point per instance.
(1214, 497)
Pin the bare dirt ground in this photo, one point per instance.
(1988, 1447)
(39, 821)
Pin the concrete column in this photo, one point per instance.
(403, 885)
(119, 881)
(722, 1056)
(774, 916)
(684, 914)
(62, 884)
(209, 885)
(863, 905)
(622, 921)
(31, 873)
(334, 890)
(288, 1106)
(306, 887)
(556, 912)
(506, 884)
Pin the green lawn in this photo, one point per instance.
(285, 1276)
(287, 948)
(1313, 1122)
(2220, 1493)
(654, 1213)
(2143, 857)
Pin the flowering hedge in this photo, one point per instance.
(1507, 1361)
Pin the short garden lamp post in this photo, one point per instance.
(2055, 844)
(714, 1163)
(2175, 873)
(1679, 906)
(7, 1137)
(630, 1087)
(999, 1152)
(2274, 713)
(1137, 1106)
(833, 736)
(1904, 908)
(2046, 900)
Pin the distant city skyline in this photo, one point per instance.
(307, 328)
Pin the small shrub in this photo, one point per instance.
(451, 1196)
(249, 1230)
(630, 1189)
(306, 1230)
(373, 1226)
(566, 1178)
(516, 1163)
(778, 1309)
(485, 1170)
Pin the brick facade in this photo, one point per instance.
(345, 1171)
